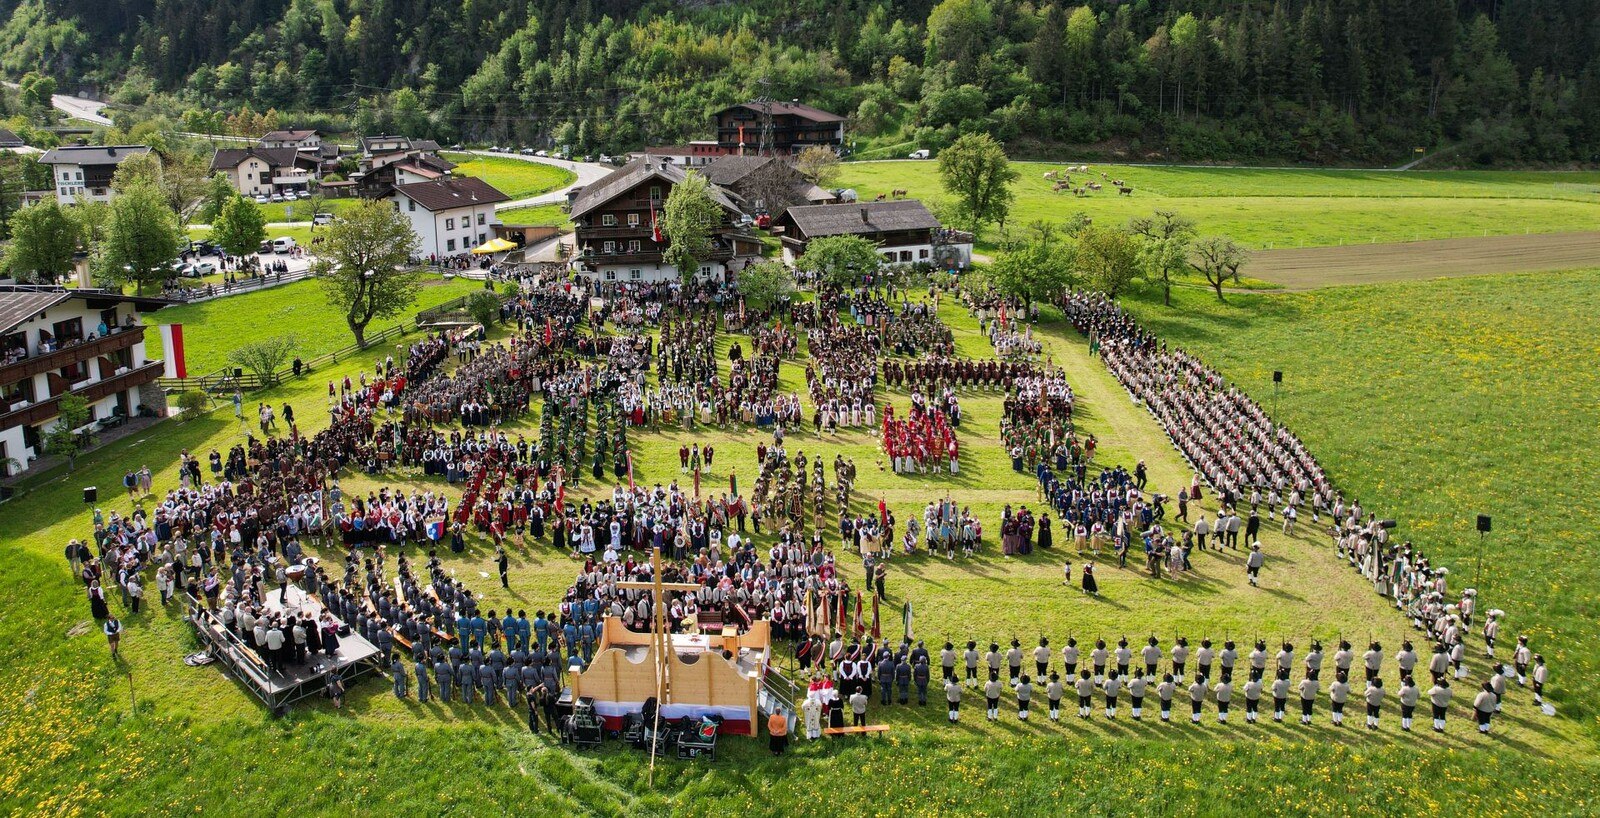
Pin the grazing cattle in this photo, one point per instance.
(1078, 191)
(1059, 186)
(1127, 191)
(1049, 174)
(1117, 182)
(881, 197)
(898, 193)
(1094, 185)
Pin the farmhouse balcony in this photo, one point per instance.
(44, 410)
(61, 358)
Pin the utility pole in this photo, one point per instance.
(764, 147)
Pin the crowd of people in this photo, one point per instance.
(924, 440)
(1251, 461)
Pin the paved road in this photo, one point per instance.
(1313, 267)
(87, 110)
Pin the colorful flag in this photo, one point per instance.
(860, 626)
(172, 351)
(655, 227)
(876, 630)
(436, 530)
(630, 471)
(548, 333)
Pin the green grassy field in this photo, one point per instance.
(516, 178)
(534, 214)
(211, 328)
(1288, 208)
(1433, 400)
(75, 745)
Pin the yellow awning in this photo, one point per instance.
(493, 246)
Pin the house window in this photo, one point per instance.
(411, 205)
(480, 219)
(633, 246)
(482, 238)
(449, 224)
(635, 274)
(80, 176)
(608, 247)
(450, 245)
(608, 220)
(905, 255)
(705, 270)
(655, 193)
(922, 254)
(633, 219)
(611, 275)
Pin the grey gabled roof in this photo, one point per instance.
(457, 191)
(630, 175)
(91, 154)
(860, 218)
(274, 157)
(19, 304)
(728, 170)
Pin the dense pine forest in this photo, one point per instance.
(1331, 81)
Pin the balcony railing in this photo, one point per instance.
(65, 356)
(46, 409)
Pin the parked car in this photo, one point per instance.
(282, 244)
(185, 270)
(204, 268)
(276, 198)
(304, 194)
(542, 154)
(322, 218)
(262, 200)
(920, 153)
(526, 151)
(266, 247)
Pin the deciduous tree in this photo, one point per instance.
(840, 260)
(976, 171)
(1218, 258)
(687, 222)
(362, 263)
(43, 239)
(240, 227)
(141, 238)
(1164, 246)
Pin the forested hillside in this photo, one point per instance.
(1312, 80)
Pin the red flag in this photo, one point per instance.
(655, 227)
(548, 333)
(876, 633)
(561, 498)
(630, 471)
(860, 626)
(697, 483)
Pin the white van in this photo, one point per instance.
(921, 153)
(322, 218)
(282, 244)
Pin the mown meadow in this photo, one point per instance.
(196, 741)
(1273, 208)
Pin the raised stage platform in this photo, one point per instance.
(354, 657)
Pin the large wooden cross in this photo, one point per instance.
(660, 636)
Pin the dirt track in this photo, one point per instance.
(1310, 268)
